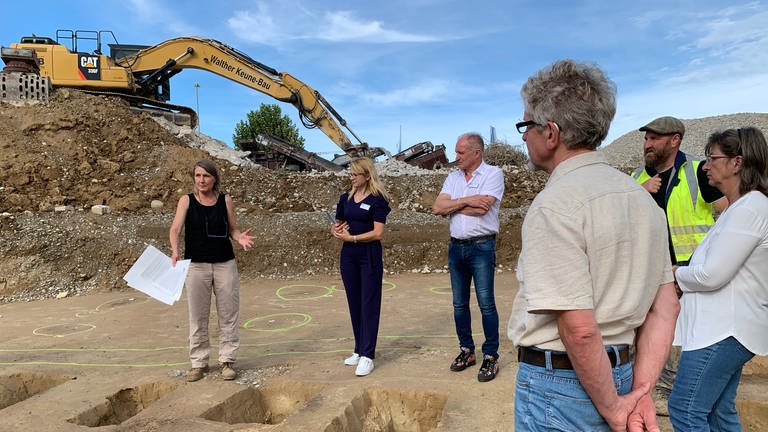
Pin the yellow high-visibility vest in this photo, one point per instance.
(688, 215)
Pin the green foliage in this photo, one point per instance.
(269, 120)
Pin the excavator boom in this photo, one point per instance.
(142, 74)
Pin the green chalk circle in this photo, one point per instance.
(273, 320)
(303, 292)
(387, 285)
(61, 330)
(443, 289)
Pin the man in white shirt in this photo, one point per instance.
(471, 197)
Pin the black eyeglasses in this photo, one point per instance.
(523, 126)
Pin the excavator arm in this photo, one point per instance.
(153, 66)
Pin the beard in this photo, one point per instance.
(655, 157)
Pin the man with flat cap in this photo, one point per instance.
(679, 185)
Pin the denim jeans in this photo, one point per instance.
(703, 397)
(467, 262)
(549, 399)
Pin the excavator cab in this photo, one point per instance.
(38, 40)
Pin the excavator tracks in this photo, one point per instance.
(177, 114)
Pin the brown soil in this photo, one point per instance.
(80, 348)
(81, 150)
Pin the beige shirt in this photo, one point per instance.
(592, 239)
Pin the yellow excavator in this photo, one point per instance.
(141, 74)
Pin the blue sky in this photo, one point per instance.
(430, 70)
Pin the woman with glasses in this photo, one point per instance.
(208, 219)
(360, 217)
(723, 320)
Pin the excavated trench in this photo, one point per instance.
(18, 387)
(124, 404)
(268, 405)
(391, 410)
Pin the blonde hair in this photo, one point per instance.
(365, 167)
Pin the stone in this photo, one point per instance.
(100, 209)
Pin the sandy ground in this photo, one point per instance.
(116, 361)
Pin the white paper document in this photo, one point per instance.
(153, 275)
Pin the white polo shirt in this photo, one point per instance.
(485, 180)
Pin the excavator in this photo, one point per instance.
(141, 75)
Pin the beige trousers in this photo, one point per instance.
(221, 280)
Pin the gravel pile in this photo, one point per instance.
(627, 150)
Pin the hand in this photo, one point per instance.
(246, 239)
(643, 417)
(340, 229)
(653, 184)
(479, 201)
(174, 258)
(677, 287)
(618, 417)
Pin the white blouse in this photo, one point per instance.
(725, 287)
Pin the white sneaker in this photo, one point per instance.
(352, 360)
(364, 366)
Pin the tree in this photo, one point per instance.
(270, 120)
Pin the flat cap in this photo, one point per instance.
(665, 126)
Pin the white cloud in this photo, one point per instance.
(424, 92)
(723, 44)
(258, 26)
(276, 24)
(155, 12)
(344, 26)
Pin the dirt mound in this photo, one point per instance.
(627, 150)
(59, 159)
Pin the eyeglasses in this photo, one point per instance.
(217, 235)
(711, 158)
(523, 126)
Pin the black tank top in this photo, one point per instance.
(206, 232)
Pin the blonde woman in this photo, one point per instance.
(360, 217)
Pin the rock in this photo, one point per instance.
(100, 209)
(156, 204)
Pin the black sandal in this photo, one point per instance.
(465, 359)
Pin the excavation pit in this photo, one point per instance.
(753, 414)
(18, 387)
(270, 404)
(389, 410)
(124, 404)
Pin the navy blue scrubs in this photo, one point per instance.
(362, 269)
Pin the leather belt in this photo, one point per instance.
(560, 360)
(477, 239)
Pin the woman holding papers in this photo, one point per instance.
(208, 219)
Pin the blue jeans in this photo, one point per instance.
(549, 399)
(703, 397)
(467, 262)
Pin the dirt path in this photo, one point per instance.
(116, 361)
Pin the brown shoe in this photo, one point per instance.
(196, 374)
(228, 372)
